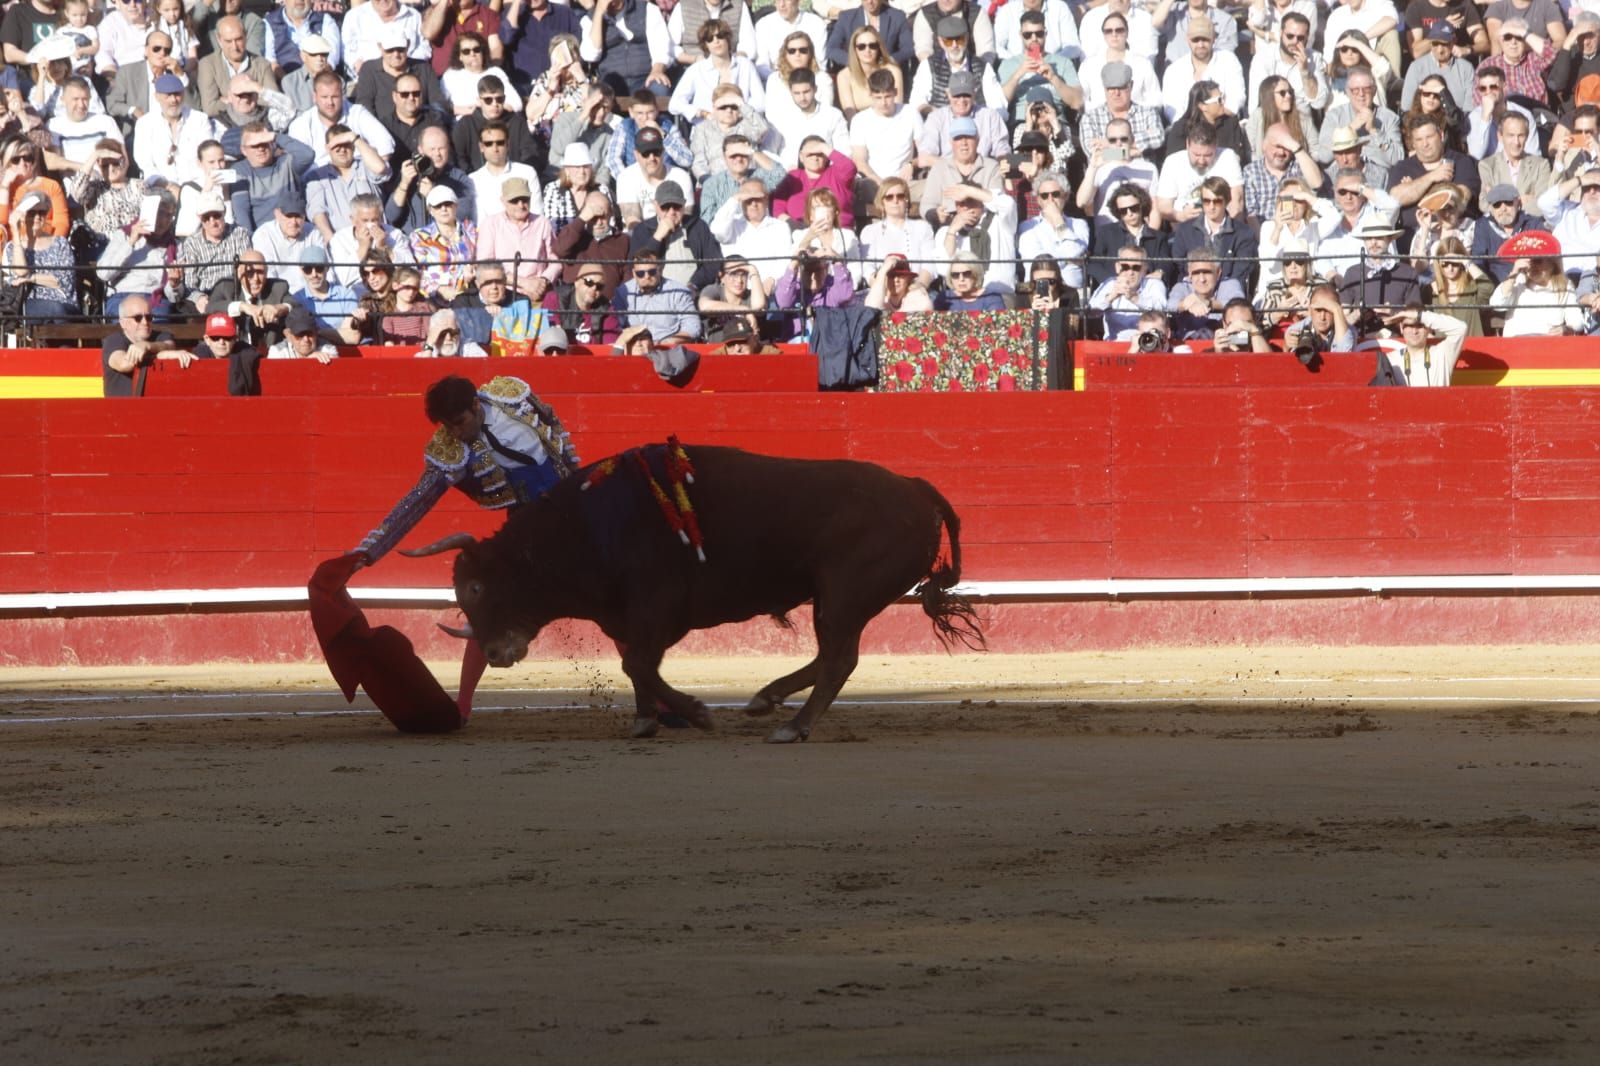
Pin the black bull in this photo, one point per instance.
(850, 537)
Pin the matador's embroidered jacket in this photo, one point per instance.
(522, 451)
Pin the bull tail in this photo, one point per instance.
(954, 618)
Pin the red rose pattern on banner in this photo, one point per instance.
(962, 351)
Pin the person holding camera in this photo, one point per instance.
(1112, 167)
(1154, 335)
(1240, 332)
(1324, 329)
(1130, 291)
(1420, 361)
(815, 279)
(431, 167)
(1036, 67)
(1043, 291)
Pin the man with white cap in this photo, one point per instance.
(217, 70)
(376, 85)
(291, 26)
(494, 141)
(166, 141)
(316, 56)
(363, 29)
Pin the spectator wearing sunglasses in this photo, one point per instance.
(777, 28)
(700, 87)
(375, 87)
(1523, 55)
(1132, 207)
(1293, 60)
(665, 308)
(1441, 59)
(134, 345)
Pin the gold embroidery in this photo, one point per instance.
(506, 389)
(445, 452)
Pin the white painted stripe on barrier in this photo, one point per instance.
(1521, 701)
(293, 597)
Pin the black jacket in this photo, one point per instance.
(1111, 237)
(702, 245)
(1237, 247)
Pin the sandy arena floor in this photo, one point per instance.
(1214, 856)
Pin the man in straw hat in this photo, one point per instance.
(1379, 281)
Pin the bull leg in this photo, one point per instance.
(836, 661)
(771, 698)
(651, 694)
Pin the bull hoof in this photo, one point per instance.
(699, 716)
(672, 720)
(644, 728)
(760, 706)
(787, 733)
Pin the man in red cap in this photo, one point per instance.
(221, 341)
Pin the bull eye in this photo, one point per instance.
(474, 591)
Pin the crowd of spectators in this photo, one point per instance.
(713, 171)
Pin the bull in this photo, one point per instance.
(849, 537)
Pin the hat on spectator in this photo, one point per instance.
(1346, 138)
(1514, 27)
(314, 44)
(963, 127)
(577, 154)
(963, 83)
(1040, 94)
(1502, 193)
(1442, 196)
(952, 26)
(313, 255)
(512, 188)
(34, 201)
(439, 322)
(300, 320)
(648, 140)
(668, 193)
(1202, 28)
(210, 203)
(441, 194)
(553, 337)
(219, 324)
(1441, 31)
(58, 45)
(1381, 224)
(1294, 248)
(591, 268)
(738, 330)
(1529, 244)
(168, 83)
(393, 35)
(1031, 140)
(1116, 75)
(292, 202)
(897, 264)
(628, 336)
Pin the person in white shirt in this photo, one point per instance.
(786, 18)
(1060, 30)
(1177, 193)
(925, 94)
(1054, 232)
(1142, 38)
(283, 239)
(361, 30)
(694, 97)
(76, 130)
(1203, 62)
(166, 141)
(991, 214)
(744, 226)
(802, 115)
(637, 184)
(366, 232)
(1291, 59)
(302, 340)
(494, 141)
(1113, 163)
(1376, 20)
(311, 127)
(883, 138)
(1419, 361)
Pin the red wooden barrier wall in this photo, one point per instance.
(1119, 483)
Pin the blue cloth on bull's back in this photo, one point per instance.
(619, 507)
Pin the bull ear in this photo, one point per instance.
(453, 542)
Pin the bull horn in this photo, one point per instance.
(463, 633)
(451, 543)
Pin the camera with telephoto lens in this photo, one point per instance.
(1152, 340)
(424, 166)
(1308, 346)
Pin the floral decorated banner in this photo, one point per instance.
(962, 351)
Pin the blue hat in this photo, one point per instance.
(1441, 31)
(963, 127)
(292, 202)
(313, 255)
(169, 83)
